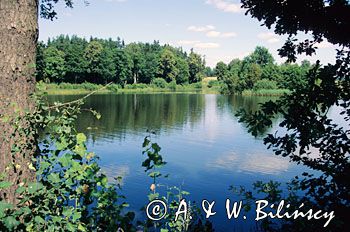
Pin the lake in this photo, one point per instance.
(206, 149)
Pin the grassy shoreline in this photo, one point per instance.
(202, 88)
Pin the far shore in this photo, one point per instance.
(203, 87)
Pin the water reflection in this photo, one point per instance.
(196, 128)
(205, 146)
(134, 113)
(251, 163)
(114, 171)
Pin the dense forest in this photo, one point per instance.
(260, 71)
(76, 60)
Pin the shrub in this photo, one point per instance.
(136, 86)
(265, 84)
(172, 85)
(85, 85)
(197, 85)
(90, 86)
(213, 83)
(113, 87)
(127, 86)
(224, 89)
(159, 83)
(141, 86)
(70, 193)
(66, 86)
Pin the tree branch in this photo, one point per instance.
(80, 99)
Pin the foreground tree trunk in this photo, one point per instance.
(18, 38)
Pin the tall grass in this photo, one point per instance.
(265, 92)
(207, 87)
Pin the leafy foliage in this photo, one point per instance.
(258, 71)
(196, 67)
(54, 64)
(70, 192)
(310, 136)
(159, 82)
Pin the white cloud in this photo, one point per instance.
(217, 34)
(273, 40)
(269, 37)
(225, 6)
(228, 34)
(112, 171)
(187, 42)
(206, 45)
(251, 163)
(197, 44)
(228, 59)
(201, 28)
(271, 165)
(213, 34)
(213, 59)
(324, 44)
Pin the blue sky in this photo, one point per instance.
(217, 29)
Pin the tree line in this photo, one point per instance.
(76, 60)
(260, 71)
(73, 59)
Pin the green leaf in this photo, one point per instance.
(67, 212)
(10, 222)
(39, 220)
(81, 228)
(62, 145)
(76, 216)
(54, 178)
(125, 205)
(70, 227)
(3, 207)
(5, 119)
(81, 138)
(104, 181)
(153, 196)
(80, 150)
(20, 189)
(65, 160)
(154, 174)
(24, 211)
(34, 187)
(43, 166)
(5, 184)
(31, 167)
(145, 142)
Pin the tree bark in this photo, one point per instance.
(135, 78)
(18, 39)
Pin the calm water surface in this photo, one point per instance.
(207, 150)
